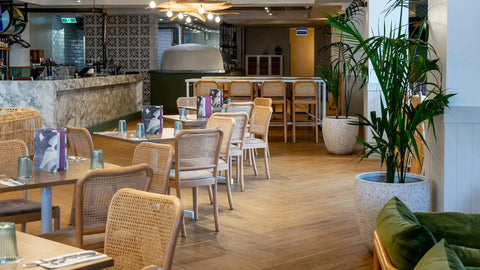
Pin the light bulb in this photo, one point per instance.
(201, 10)
(169, 13)
(153, 4)
(217, 19)
(210, 16)
(180, 16)
(188, 20)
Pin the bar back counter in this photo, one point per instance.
(86, 102)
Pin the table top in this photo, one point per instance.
(255, 79)
(166, 136)
(191, 119)
(40, 179)
(32, 248)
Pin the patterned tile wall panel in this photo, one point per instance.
(132, 42)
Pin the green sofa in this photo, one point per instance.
(406, 240)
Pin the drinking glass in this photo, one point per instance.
(24, 169)
(96, 161)
(122, 126)
(222, 109)
(140, 131)
(8, 243)
(177, 126)
(229, 100)
(183, 113)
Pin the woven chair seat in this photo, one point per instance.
(252, 143)
(67, 236)
(19, 206)
(222, 165)
(235, 151)
(192, 175)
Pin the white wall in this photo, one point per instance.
(20, 56)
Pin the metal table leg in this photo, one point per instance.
(46, 193)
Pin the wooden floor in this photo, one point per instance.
(302, 218)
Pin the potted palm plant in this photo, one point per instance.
(338, 73)
(394, 57)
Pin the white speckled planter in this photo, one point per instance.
(371, 194)
(338, 135)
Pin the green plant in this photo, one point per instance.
(395, 59)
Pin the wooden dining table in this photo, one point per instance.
(166, 136)
(191, 120)
(32, 248)
(45, 181)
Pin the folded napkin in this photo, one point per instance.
(11, 182)
(75, 158)
(72, 258)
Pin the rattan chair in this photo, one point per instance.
(240, 107)
(80, 141)
(19, 123)
(187, 102)
(305, 93)
(241, 91)
(142, 229)
(276, 90)
(226, 125)
(94, 191)
(160, 158)
(21, 210)
(267, 102)
(196, 160)
(237, 141)
(259, 127)
(81, 144)
(202, 87)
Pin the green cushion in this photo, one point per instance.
(468, 256)
(440, 257)
(457, 228)
(405, 240)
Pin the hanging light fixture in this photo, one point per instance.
(210, 16)
(195, 8)
(169, 13)
(217, 19)
(180, 16)
(201, 10)
(188, 20)
(152, 4)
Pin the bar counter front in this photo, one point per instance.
(84, 102)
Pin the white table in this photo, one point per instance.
(322, 89)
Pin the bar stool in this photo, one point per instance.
(276, 90)
(241, 91)
(202, 87)
(305, 93)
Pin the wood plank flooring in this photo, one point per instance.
(302, 218)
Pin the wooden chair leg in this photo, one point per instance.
(316, 122)
(195, 202)
(210, 194)
(215, 208)
(56, 220)
(285, 123)
(266, 163)
(239, 160)
(242, 180)
(184, 231)
(229, 191)
(293, 125)
(254, 163)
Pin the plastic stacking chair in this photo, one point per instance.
(226, 125)
(80, 141)
(237, 142)
(305, 93)
(259, 127)
(142, 229)
(160, 158)
(241, 91)
(21, 210)
(202, 87)
(94, 191)
(276, 90)
(196, 160)
(267, 102)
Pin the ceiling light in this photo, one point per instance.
(180, 16)
(201, 10)
(169, 13)
(152, 4)
(195, 8)
(217, 19)
(188, 20)
(266, 8)
(79, 1)
(210, 16)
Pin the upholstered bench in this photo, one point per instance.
(406, 240)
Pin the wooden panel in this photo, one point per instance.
(263, 65)
(251, 65)
(276, 65)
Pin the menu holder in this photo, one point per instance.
(204, 106)
(50, 149)
(152, 119)
(217, 97)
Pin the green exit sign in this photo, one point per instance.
(69, 20)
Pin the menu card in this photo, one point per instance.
(204, 106)
(50, 149)
(152, 118)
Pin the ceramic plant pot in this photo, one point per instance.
(339, 136)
